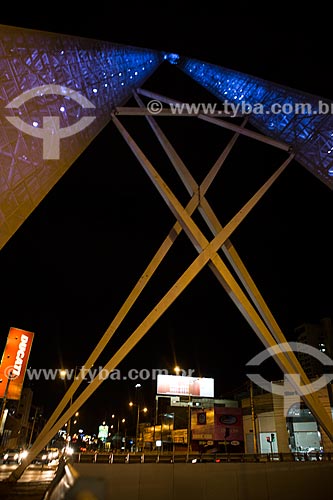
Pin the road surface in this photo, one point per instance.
(32, 485)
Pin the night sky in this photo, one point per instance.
(70, 266)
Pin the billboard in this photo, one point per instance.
(218, 424)
(14, 362)
(185, 386)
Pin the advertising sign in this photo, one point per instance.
(14, 362)
(221, 424)
(103, 431)
(228, 424)
(185, 386)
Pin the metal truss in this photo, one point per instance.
(239, 285)
(32, 64)
(306, 122)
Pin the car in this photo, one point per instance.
(54, 453)
(46, 456)
(14, 455)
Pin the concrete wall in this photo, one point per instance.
(210, 481)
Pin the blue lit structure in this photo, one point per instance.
(102, 74)
(105, 74)
(302, 120)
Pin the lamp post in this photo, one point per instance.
(137, 387)
(63, 374)
(253, 420)
(189, 427)
(137, 423)
(137, 429)
(123, 420)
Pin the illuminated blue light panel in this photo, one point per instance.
(302, 120)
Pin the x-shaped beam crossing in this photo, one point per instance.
(245, 295)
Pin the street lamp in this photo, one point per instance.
(63, 374)
(189, 426)
(118, 421)
(123, 420)
(137, 387)
(137, 422)
(69, 426)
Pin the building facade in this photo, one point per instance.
(268, 430)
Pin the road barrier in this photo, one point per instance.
(134, 458)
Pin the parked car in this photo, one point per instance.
(14, 455)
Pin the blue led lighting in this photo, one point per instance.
(101, 73)
(105, 73)
(171, 58)
(286, 114)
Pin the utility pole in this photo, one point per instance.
(137, 429)
(253, 419)
(189, 428)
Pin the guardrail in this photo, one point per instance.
(68, 483)
(131, 458)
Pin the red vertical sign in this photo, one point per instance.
(14, 362)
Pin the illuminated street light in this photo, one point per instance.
(63, 374)
(144, 410)
(123, 420)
